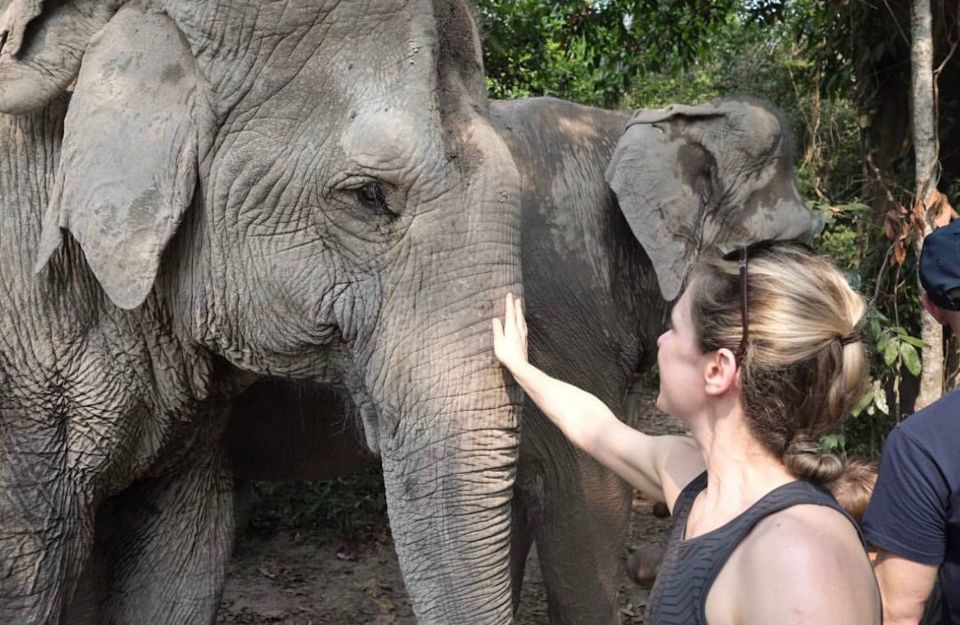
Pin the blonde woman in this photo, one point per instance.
(762, 355)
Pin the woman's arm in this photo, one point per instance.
(659, 466)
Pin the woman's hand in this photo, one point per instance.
(510, 337)
(659, 466)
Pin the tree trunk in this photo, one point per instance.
(926, 149)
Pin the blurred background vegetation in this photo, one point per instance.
(839, 70)
(349, 508)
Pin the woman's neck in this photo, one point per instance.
(740, 470)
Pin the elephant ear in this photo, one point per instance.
(14, 20)
(128, 165)
(41, 45)
(664, 178)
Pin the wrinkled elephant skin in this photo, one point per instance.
(600, 268)
(303, 189)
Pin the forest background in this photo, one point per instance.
(839, 70)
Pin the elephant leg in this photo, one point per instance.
(167, 541)
(581, 530)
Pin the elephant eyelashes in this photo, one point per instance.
(367, 195)
(373, 196)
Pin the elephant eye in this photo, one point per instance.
(373, 196)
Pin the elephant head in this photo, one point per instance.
(308, 189)
(691, 177)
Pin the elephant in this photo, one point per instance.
(616, 209)
(198, 193)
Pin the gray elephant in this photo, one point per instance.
(616, 209)
(236, 188)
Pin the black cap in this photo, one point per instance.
(940, 265)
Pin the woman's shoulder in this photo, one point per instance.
(816, 552)
(810, 559)
(806, 527)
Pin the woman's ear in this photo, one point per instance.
(722, 372)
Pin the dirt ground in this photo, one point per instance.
(290, 578)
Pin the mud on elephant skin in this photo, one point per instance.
(239, 188)
(616, 209)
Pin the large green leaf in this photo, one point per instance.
(890, 352)
(911, 358)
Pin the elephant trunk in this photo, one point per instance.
(448, 414)
(449, 472)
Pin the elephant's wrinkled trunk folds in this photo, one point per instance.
(449, 439)
(451, 521)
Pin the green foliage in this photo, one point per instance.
(591, 52)
(897, 356)
(833, 443)
(840, 240)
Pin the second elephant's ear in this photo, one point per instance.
(664, 179)
(128, 165)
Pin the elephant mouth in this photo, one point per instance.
(3, 40)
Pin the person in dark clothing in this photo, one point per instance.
(914, 515)
(762, 356)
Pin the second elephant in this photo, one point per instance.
(616, 209)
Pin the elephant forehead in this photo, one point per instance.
(304, 55)
(362, 81)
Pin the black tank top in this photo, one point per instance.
(689, 568)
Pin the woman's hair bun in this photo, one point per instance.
(806, 459)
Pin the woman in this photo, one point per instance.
(761, 357)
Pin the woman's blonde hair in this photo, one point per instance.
(803, 366)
